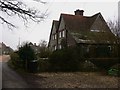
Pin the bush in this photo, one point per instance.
(26, 54)
(15, 60)
(43, 65)
(33, 66)
(65, 60)
(104, 63)
(88, 66)
(44, 54)
(114, 70)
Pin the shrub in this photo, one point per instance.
(104, 63)
(43, 51)
(65, 60)
(15, 59)
(114, 70)
(26, 54)
(88, 66)
(44, 54)
(43, 65)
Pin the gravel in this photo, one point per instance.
(72, 80)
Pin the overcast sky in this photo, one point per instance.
(36, 32)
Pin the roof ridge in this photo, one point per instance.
(73, 15)
(96, 14)
(81, 15)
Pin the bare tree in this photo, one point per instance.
(115, 27)
(20, 9)
(43, 50)
(42, 45)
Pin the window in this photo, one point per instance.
(60, 46)
(103, 51)
(95, 30)
(87, 50)
(55, 47)
(55, 36)
(63, 34)
(60, 34)
(110, 48)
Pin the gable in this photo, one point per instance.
(100, 25)
(61, 24)
(53, 31)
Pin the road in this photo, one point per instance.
(0, 72)
(10, 79)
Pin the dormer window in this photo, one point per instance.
(95, 30)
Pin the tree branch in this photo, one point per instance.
(6, 22)
(15, 7)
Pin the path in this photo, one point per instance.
(10, 79)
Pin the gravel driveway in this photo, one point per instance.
(72, 80)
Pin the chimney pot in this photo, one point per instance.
(79, 12)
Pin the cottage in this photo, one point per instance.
(91, 33)
(5, 49)
(34, 47)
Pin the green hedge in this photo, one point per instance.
(65, 60)
(43, 65)
(114, 70)
(15, 60)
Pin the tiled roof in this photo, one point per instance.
(77, 23)
(94, 37)
(79, 27)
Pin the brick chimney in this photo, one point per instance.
(79, 12)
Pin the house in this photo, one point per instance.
(5, 49)
(34, 47)
(91, 33)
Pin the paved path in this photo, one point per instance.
(0, 75)
(10, 79)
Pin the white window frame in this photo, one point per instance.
(55, 36)
(63, 33)
(95, 30)
(60, 47)
(60, 34)
(55, 47)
